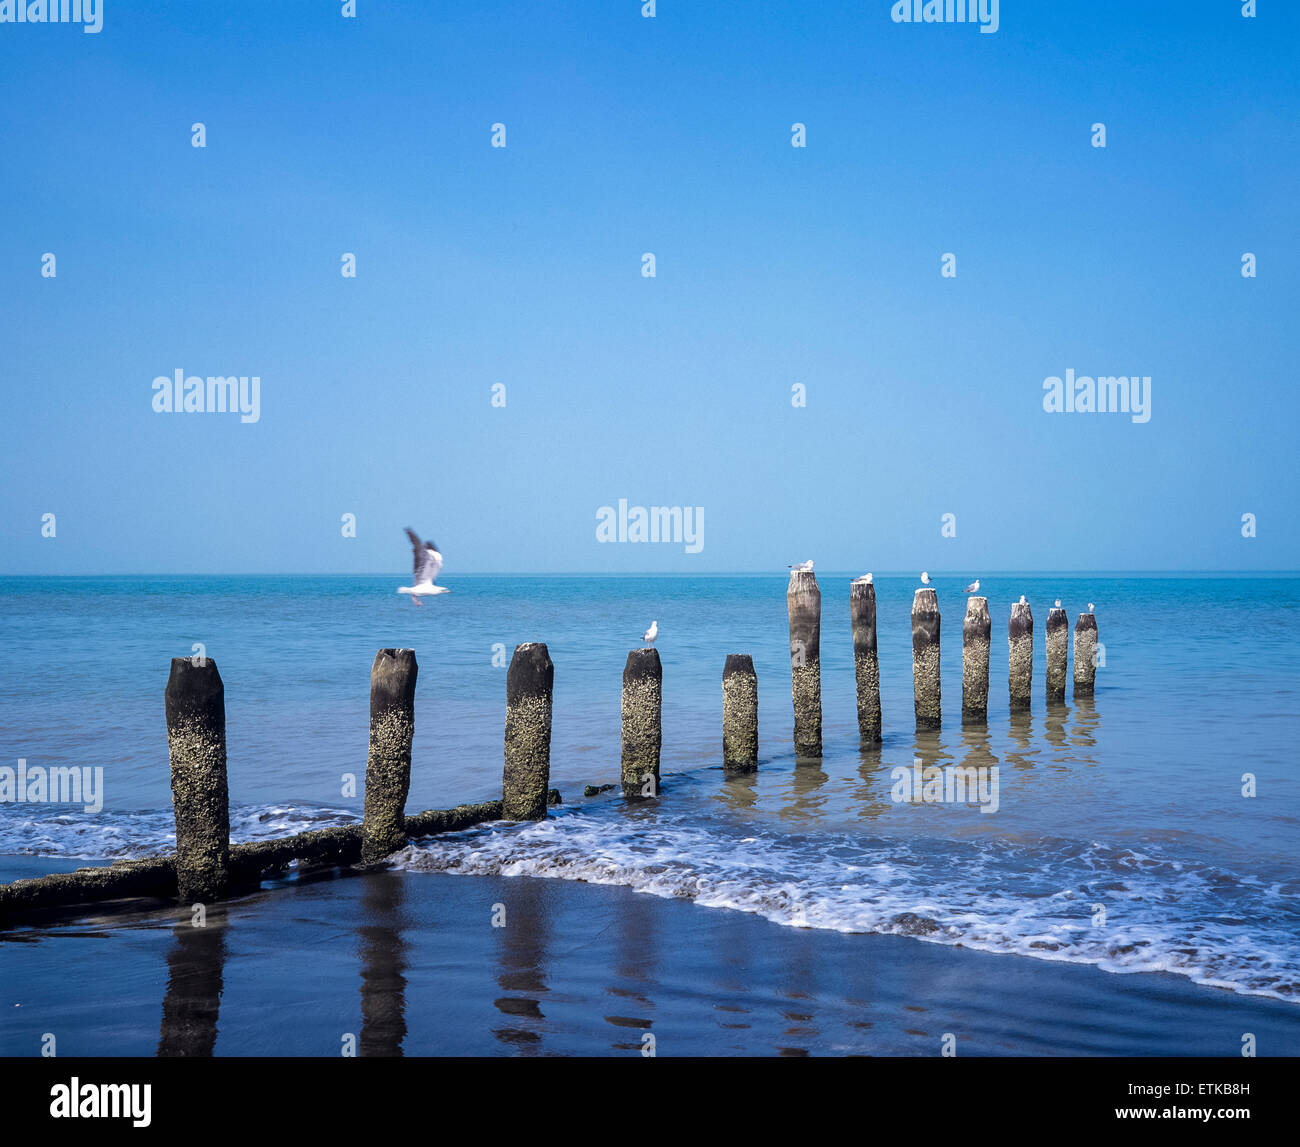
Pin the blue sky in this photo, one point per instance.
(775, 266)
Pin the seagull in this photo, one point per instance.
(1022, 600)
(803, 567)
(1058, 603)
(651, 633)
(1089, 607)
(974, 586)
(925, 577)
(428, 561)
(865, 579)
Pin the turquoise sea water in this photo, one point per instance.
(1131, 803)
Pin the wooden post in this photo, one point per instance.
(866, 665)
(804, 602)
(529, 683)
(1085, 654)
(642, 728)
(739, 714)
(1020, 673)
(1058, 649)
(196, 739)
(388, 769)
(976, 635)
(925, 659)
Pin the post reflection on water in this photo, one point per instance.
(1054, 726)
(195, 977)
(977, 746)
(383, 951)
(870, 798)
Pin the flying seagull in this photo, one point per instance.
(803, 567)
(974, 586)
(428, 562)
(925, 577)
(651, 633)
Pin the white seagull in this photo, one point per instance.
(1089, 607)
(974, 586)
(428, 563)
(651, 633)
(803, 567)
(925, 577)
(1058, 603)
(1022, 600)
(865, 579)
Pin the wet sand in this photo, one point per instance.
(410, 963)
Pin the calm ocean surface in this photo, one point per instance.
(1132, 801)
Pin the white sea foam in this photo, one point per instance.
(1034, 899)
(57, 831)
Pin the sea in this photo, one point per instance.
(1150, 828)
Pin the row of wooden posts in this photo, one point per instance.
(206, 867)
(803, 602)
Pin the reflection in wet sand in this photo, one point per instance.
(522, 955)
(636, 966)
(383, 951)
(195, 976)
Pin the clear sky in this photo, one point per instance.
(775, 266)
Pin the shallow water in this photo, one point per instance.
(1131, 803)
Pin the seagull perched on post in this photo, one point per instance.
(1058, 603)
(1022, 600)
(865, 579)
(650, 634)
(803, 567)
(428, 563)
(974, 586)
(1089, 607)
(925, 577)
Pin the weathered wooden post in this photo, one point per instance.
(866, 665)
(739, 714)
(388, 768)
(1085, 654)
(195, 701)
(1020, 635)
(1058, 649)
(925, 659)
(976, 638)
(804, 602)
(642, 730)
(529, 682)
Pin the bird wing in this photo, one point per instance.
(431, 565)
(418, 547)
